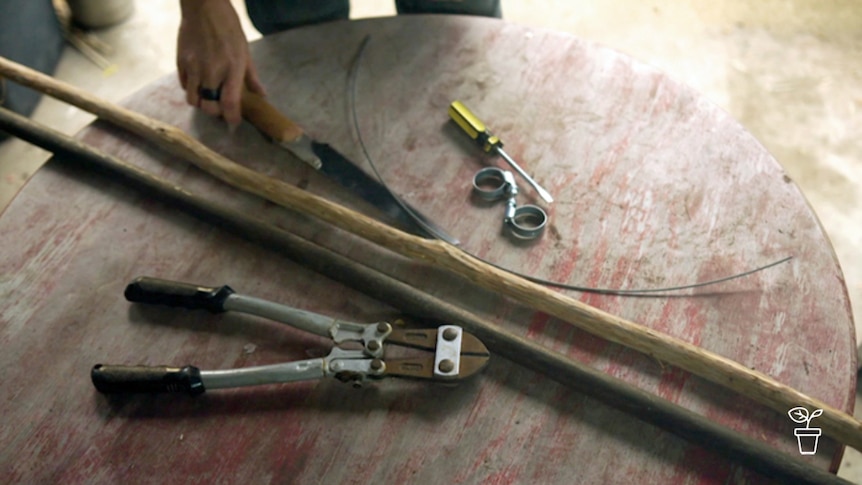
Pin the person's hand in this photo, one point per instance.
(213, 59)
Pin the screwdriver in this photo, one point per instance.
(476, 130)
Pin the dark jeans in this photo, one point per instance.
(270, 16)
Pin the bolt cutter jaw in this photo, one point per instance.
(457, 354)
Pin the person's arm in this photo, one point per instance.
(212, 55)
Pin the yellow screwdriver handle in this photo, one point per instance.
(473, 126)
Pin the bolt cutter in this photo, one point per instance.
(358, 353)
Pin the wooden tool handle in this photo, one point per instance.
(708, 365)
(272, 123)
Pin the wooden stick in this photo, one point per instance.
(613, 392)
(713, 367)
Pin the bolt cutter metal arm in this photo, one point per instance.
(345, 365)
(124, 379)
(339, 331)
(264, 374)
(224, 298)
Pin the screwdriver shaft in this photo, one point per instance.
(544, 194)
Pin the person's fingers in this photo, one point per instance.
(213, 58)
(212, 81)
(193, 82)
(252, 81)
(231, 95)
(183, 77)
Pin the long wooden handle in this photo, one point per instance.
(609, 390)
(755, 385)
(271, 122)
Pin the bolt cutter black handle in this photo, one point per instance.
(176, 294)
(126, 379)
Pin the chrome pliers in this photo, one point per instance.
(358, 353)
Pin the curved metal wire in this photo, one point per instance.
(354, 70)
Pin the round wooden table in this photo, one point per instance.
(654, 187)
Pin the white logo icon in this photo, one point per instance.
(806, 437)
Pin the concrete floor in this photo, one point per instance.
(788, 70)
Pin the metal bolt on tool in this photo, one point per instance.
(447, 361)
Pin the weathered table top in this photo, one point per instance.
(655, 186)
